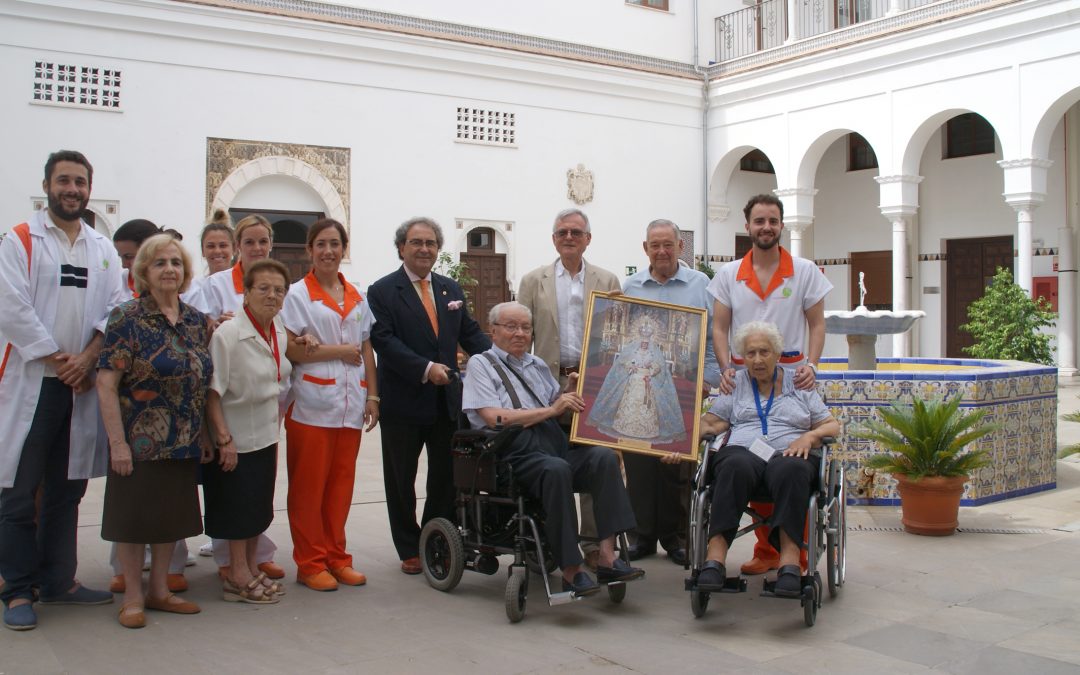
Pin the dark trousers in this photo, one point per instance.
(549, 470)
(40, 547)
(659, 494)
(401, 446)
(739, 474)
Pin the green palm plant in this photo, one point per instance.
(927, 438)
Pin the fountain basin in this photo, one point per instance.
(1022, 397)
(862, 327)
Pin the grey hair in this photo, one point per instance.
(663, 222)
(403, 231)
(496, 311)
(769, 330)
(566, 213)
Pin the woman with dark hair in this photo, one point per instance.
(152, 380)
(218, 246)
(243, 411)
(332, 400)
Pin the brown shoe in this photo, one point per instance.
(272, 569)
(349, 576)
(759, 566)
(323, 581)
(411, 565)
(171, 603)
(118, 585)
(132, 619)
(176, 583)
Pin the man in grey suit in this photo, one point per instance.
(557, 294)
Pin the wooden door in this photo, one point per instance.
(491, 287)
(293, 256)
(969, 269)
(877, 269)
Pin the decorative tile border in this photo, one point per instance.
(1021, 397)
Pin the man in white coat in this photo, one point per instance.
(59, 279)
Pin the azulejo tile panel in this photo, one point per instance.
(1021, 397)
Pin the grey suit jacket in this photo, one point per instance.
(537, 292)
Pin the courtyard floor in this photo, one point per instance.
(1001, 596)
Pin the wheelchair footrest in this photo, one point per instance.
(731, 585)
(563, 598)
(768, 589)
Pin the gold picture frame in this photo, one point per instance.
(642, 367)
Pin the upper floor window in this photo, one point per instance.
(489, 127)
(756, 160)
(860, 154)
(654, 4)
(966, 135)
(77, 86)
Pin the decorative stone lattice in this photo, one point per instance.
(487, 127)
(224, 155)
(77, 86)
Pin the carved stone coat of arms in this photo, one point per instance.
(579, 184)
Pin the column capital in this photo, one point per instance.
(798, 223)
(795, 192)
(1026, 175)
(901, 211)
(1026, 163)
(899, 178)
(899, 194)
(1024, 201)
(798, 206)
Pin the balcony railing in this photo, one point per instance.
(766, 25)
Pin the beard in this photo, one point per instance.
(766, 244)
(56, 207)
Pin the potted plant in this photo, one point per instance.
(925, 451)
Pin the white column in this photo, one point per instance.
(1024, 249)
(798, 217)
(790, 8)
(901, 271)
(895, 6)
(1066, 323)
(1025, 189)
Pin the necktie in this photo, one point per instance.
(429, 305)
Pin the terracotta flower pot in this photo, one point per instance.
(930, 504)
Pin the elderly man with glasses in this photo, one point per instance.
(507, 385)
(557, 294)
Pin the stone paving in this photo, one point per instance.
(972, 603)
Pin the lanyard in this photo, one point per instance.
(272, 340)
(764, 415)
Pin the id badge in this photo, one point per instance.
(762, 449)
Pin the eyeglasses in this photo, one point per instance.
(423, 243)
(265, 289)
(516, 327)
(576, 234)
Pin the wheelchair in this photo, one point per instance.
(826, 533)
(494, 517)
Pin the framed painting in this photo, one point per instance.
(641, 373)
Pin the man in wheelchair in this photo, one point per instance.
(506, 386)
(773, 427)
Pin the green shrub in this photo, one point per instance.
(1005, 323)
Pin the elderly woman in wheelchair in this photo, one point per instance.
(773, 427)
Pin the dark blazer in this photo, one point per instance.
(405, 343)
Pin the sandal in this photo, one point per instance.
(254, 593)
(132, 619)
(275, 587)
(788, 582)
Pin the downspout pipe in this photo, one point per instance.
(704, 73)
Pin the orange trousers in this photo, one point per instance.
(763, 550)
(322, 466)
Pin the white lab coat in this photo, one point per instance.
(28, 306)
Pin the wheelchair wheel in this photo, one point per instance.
(517, 590)
(836, 541)
(442, 554)
(616, 592)
(811, 597)
(699, 602)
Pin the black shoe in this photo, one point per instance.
(581, 586)
(677, 556)
(712, 576)
(620, 570)
(788, 582)
(638, 551)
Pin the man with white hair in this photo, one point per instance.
(505, 386)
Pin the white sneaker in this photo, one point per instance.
(206, 550)
(190, 559)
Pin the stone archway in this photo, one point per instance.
(277, 165)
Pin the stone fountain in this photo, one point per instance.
(862, 328)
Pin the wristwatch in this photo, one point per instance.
(812, 366)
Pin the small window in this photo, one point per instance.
(968, 134)
(76, 86)
(859, 154)
(756, 161)
(653, 4)
(486, 127)
(481, 239)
